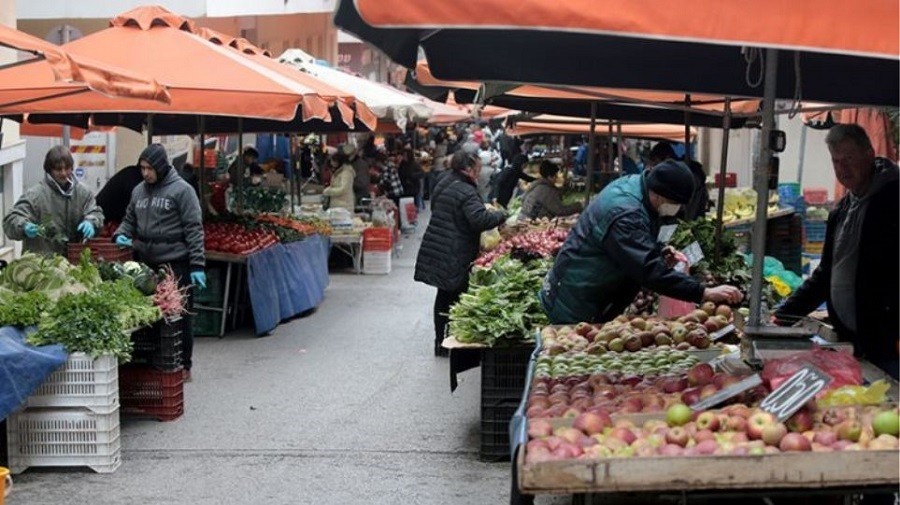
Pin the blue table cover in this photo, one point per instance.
(286, 280)
(23, 368)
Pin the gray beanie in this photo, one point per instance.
(155, 155)
(672, 180)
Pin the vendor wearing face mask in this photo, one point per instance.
(66, 207)
(612, 251)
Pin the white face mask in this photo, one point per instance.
(668, 209)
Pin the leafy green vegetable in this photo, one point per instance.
(22, 309)
(501, 303)
(82, 323)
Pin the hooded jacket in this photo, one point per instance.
(543, 199)
(47, 202)
(165, 222)
(341, 189)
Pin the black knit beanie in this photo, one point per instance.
(155, 155)
(672, 180)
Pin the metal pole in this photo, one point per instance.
(149, 128)
(723, 170)
(761, 184)
(802, 155)
(610, 155)
(201, 177)
(66, 130)
(592, 155)
(619, 146)
(687, 128)
(240, 177)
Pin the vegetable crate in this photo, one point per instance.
(160, 345)
(214, 293)
(814, 231)
(146, 392)
(377, 239)
(207, 323)
(101, 248)
(503, 375)
(784, 241)
(377, 262)
(82, 382)
(64, 437)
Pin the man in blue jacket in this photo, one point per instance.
(612, 251)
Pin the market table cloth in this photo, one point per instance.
(23, 368)
(286, 280)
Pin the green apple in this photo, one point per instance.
(887, 422)
(678, 414)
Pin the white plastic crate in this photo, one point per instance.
(376, 262)
(63, 438)
(81, 382)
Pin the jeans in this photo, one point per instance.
(442, 303)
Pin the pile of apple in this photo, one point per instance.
(644, 362)
(734, 430)
(631, 333)
(624, 393)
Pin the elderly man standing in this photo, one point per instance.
(164, 225)
(858, 275)
(59, 202)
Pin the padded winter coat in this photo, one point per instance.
(451, 240)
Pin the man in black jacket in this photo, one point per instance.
(451, 241)
(858, 275)
(113, 198)
(508, 179)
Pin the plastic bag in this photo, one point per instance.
(876, 394)
(841, 366)
(23, 368)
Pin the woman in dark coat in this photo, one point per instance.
(451, 241)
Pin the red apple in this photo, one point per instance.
(571, 412)
(700, 374)
(591, 422)
(707, 391)
(739, 409)
(585, 442)
(825, 437)
(690, 396)
(800, 421)
(553, 442)
(539, 428)
(706, 447)
(794, 442)
(702, 435)
(708, 421)
(739, 437)
(625, 434)
(678, 436)
(570, 435)
(757, 422)
(675, 384)
(671, 450)
(772, 434)
(736, 423)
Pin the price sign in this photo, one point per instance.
(727, 392)
(694, 253)
(721, 333)
(795, 392)
(666, 232)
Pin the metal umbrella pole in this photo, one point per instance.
(620, 147)
(761, 184)
(592, 154)
(723, 168)
(201, 177)
(149, 128)
(687, 128)
(239, 183)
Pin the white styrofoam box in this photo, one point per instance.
(376, 262)
(81, 382)
(63, 437)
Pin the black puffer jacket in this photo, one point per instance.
(450, 245)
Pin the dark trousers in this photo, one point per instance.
(442, 303)
(182, 270)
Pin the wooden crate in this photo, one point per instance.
(770, 471)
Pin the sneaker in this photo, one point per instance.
(186, 375)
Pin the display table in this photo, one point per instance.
(283, 280)
(351, 245)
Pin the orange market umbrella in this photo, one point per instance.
(79, 73)
(672, 133)
(204, 79)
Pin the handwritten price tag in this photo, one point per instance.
(795, 392)
(693, 253)
(666, 232)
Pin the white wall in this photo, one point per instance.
(105, 9)
(12, 152)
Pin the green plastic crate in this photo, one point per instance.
(207, 323)
(214, 294)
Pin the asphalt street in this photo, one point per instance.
(344, 406)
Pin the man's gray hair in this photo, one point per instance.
(853, 132)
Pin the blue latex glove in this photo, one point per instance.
(123, 241)
(30, 229)
(198, 279)
(87, 229)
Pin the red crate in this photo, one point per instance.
(730, 179)
(816, 196)
(377, 239)
(101, 248)
(147, 392)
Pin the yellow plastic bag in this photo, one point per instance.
(780, 287)
(856, 395)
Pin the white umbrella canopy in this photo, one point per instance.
(384, 101)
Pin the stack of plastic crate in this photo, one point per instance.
(814, 236)
(503, 372)
(377, 251)
(72, 420)
(152, 385)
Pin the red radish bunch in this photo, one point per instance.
(545, 243)
(170, 298)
